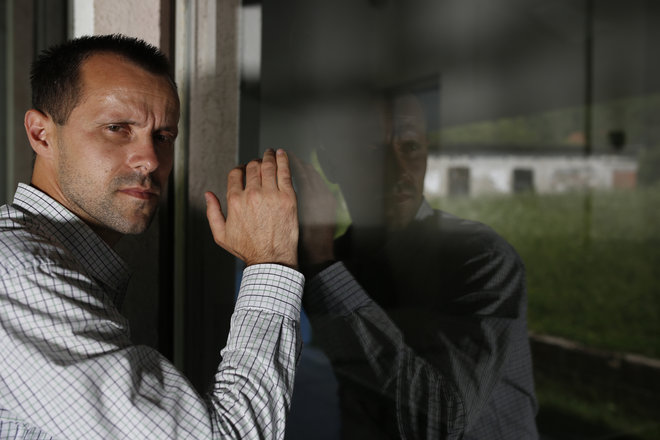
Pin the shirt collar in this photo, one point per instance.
(424, 210)
(91, 252)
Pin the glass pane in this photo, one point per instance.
(413, 125)
(3, 101)
(26, 28)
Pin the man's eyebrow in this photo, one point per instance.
(409, 126)
(102, 122)
(171, 128)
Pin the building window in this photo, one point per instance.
(459, 181)
(523, 180)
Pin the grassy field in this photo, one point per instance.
(593, 262)
(571, 411)
(593, 276)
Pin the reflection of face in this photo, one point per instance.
(406, 162)
(115, 151)
(383, 173)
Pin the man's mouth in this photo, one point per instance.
(402, 191)
(141, 193)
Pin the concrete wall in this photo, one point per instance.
(147, 304)
(207, 72)
(181, 294)
(16, 162)
(149, 20)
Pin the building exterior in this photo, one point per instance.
(484, 174)
(246, 70)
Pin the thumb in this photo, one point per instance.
(215, 217)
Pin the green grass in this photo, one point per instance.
(563, 127)
(593, 262)
(570, 410)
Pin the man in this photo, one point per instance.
(421, 314)
(103, 127)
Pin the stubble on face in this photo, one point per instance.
(114, 153)
(388, 190)
(106, 209)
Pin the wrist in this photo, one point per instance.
(310, 270)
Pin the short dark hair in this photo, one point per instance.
(55, 74)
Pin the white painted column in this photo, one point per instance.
(207, 65)
(147, 296)
(82, 18)
(207, 72)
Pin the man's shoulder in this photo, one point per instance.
(459, 233)
(33, 259)
(24, 242)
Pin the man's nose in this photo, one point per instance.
(144, 155)
(396, 160)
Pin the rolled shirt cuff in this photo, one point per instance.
(272, 288)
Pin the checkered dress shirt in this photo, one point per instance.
(68, 369)
(448, 357)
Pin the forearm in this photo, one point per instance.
(253, 386)
(441, 384)
(92, 383)
(368, 349)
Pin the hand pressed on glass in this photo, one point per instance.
(318, 208)
(261, 225)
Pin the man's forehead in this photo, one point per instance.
(408, 108)
(111, 69)
(104, 73)
(401, 116)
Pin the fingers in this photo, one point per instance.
(215, 217)
(283, 171)
(296, 164)
(235, 180)
(304, 174)
(262, 172)
(261, 224)
(309, 178)
(269, 170)
(253, 174)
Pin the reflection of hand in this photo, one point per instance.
(317, 215)
(262, 222)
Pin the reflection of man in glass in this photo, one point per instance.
(422, 314)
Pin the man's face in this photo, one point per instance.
(405, 162)
(114, 153)
(383, 169)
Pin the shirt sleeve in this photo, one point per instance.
(439, 387)
(69, 369)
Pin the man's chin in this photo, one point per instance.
(136, 230)
(136, 225)
(399, 215)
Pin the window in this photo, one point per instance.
(459, 181)
(25, 29)
(523, 180)
(546, 123)
(3, 100)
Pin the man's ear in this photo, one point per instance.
(40, 130)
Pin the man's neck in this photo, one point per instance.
(109, 236)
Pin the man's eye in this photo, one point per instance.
(115, 128)
(410, 146)
(163, 139)
(376, 147)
